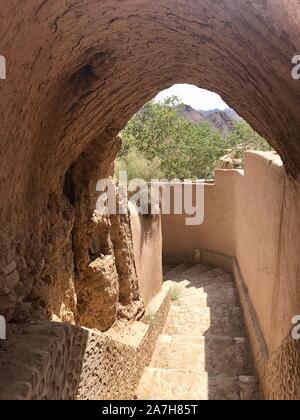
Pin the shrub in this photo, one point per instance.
(137, 166)
(175, 292)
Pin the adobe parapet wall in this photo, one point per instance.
(147, 248)
(253, 216)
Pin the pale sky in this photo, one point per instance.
(195, 97)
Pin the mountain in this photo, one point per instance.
(221, 121)
(233, 114)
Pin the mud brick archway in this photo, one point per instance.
(77, 71)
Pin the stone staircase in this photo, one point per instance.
(203, 353)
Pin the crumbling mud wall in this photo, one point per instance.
(85, 273)
(106, 279)
(37, 282)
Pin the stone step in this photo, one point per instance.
(190, 291)
(227, 387)
(213, 354)
(198, 270)
(201, 276)
(168, 267)
(212, 277)
(178, 271)
(183, 384)
(249, 388)
(203, 352)
(172, 384)
(227, 321)
(216, 294)
(205, 320)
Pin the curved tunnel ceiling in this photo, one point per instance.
(78, 70)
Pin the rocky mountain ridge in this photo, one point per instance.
(222, 121)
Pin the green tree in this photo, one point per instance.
(184, 150)
(137, 166)
(244, 138)
(159, 143)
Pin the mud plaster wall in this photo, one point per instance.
(279, 370)
(147, 246)
(254, 216)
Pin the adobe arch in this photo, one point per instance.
(77, 71)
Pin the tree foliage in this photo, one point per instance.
(158, 142)
(243, 138)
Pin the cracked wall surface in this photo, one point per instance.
(106, 280)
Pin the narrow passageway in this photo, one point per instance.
(203, 352)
